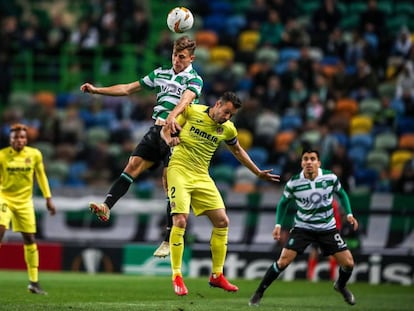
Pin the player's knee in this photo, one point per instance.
(180, 221)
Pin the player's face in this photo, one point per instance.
(221, 113)
(181, 60)
(310, 163)
(18, 139)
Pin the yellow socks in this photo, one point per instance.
(176, 249)
(218, 246)
(31, 257)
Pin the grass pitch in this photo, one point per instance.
(77, 291)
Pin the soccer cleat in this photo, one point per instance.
(221, 282)
(346, 293)
(163, 250)
(255, 299)
(179, 287)
(35, 288)
(100, 210)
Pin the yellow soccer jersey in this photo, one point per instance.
(200, 137)
(16, 174)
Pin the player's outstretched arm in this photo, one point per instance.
(245, 159)
(113, 90)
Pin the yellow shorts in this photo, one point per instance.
(186, 188)
(22, 217)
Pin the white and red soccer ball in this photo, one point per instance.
(180, 19)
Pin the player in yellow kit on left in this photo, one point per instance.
(19, 164)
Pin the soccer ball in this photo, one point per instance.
(180, 19)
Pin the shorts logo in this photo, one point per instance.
(291, 241)
(172, 204)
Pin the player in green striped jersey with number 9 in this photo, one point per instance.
(312, 190)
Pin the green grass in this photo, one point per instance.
(77, 291)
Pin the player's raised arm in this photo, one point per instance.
(113, 90)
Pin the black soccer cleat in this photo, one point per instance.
(346, 293)
(35, 288)
(255, 299)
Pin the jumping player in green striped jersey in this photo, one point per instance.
(176, 88)
(312, 190)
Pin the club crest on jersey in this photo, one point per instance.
(27, 161)
(219, 130)
(324, 184)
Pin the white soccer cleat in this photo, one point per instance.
(163, 250)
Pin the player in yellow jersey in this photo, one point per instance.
(18, 166)
(189, 183)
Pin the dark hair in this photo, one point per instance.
(183, 43)
(18, 127)
(231, 97)
(310, 150)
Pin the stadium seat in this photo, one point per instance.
(312, 137)
(342, 138)
(76, 172)
(282, 140)
(399, 157)
(266, 54)
(360, 125)
(406, 141)
(398, 106)
(366, 177)
(97, 134)
(356, 7)
(221, 6)
(370, 106)
(364, 140)
(290, 122)
(358, 156)
(45, 98)
(215, 22)
(224, 156)
(206, 38)
(245, 138)
(248, 40)
(202, 55)
(403, 7)
(287, 54)
(405, 125)
(223, 174)
(46, 148)
(220, 55)
(347, 107)
(57, 172)
(244, 180)
(267, 124)
(377, 160)
(386, 89)
(387, 141)
(259, 155)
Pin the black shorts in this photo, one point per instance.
(329, 241)
(153, 148)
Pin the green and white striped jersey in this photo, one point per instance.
(170, 86)
(313, 199)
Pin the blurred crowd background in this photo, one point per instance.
(335, 75)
